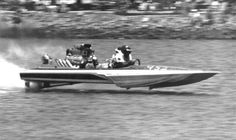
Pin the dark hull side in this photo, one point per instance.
(158, 81)
(64, 77)
(193, 78)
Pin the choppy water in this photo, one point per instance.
(205, 110)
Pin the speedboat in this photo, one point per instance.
(81, 66)
(61, 72)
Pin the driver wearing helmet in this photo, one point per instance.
(122, 57)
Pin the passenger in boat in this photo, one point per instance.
(122, 57)
(82, 55)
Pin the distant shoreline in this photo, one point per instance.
(107, 25)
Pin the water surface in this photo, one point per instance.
(205, 110)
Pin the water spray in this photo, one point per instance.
(9, 74)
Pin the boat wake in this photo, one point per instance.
(122, 91)
(9, 74)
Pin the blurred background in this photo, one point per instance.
(158, 19)
(226, 6)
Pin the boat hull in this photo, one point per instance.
(159, 79)
(125, 78)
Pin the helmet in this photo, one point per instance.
(85, 45)
(125, 48)
(45, 59)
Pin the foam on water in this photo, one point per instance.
(9, 74)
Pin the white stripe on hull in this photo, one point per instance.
(68, 80)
